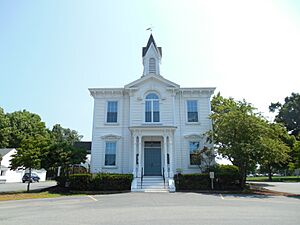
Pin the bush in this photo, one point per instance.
(99, 182)
(61, 181)
(226, 178)
(192, 182)
(80, 182)
(111, 182)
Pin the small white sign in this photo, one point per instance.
(211, 175)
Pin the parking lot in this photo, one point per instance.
(153, 208)
(14, 187)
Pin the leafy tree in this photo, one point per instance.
(64, 155)
(288, 113)
(243, 136)
(28, 155)
(60, 134)
(24, 124)
(4, 129)
(274, 151)
(235, 128)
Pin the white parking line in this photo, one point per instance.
(221, 196)
(91, 197)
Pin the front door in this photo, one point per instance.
(152, 159)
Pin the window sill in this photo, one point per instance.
(192, 123)
(111, 124)
(152, 123)
(109, 167)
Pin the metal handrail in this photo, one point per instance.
(164, 177)
(142, 176)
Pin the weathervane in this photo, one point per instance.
(150, 28)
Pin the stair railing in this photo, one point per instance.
(142, 176)
(164, 177)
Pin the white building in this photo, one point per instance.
(149, 127)
(8, 175)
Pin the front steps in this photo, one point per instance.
(151, 184)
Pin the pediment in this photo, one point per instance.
(111, 137)
(150, 78)
(193, 136)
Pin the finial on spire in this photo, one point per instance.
(150, 28)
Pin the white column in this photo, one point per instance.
(165, 151)
(134, 156)
(171, 155)
(140, 156)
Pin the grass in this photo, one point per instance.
(24, 195)
(275, 179)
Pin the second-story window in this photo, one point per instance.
(152, 108)
(152, 65)
(192, 111)
(112, 112)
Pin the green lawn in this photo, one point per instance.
(24, 195)
(275, 179)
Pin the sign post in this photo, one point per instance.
(212, 176)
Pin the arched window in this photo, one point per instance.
(152, 65)
(152, 108)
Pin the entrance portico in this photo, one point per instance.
(153, 153)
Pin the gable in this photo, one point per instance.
(144, 80)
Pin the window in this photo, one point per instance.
(152, 108)
(194, 146)
(112, 112)
(192, 111)
(110, 153)
(152, 65)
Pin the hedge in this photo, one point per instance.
(97, 182)
(226, 178)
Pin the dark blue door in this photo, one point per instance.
(152, 159)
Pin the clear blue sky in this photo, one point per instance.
(51, 52)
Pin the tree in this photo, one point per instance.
(28, 155)
(4, 129)
(245, 137)
(24, 124)
(60, 134)
(235, 128)
(288, 113)
(64, 155)
(274, 151)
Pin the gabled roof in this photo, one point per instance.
(152, 76)
(4, 151)
(151, 40)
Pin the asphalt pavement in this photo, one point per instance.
(288, 187)
(153, 208)
(14, 187)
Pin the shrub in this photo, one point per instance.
(192, 182)
(61, 181)
(111, 182)
(226, 177)
(80, 182)
(98, 182)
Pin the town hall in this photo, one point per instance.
(151, 127)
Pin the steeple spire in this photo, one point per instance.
(151, 57)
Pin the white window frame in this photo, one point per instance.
(186, 110)
(114, 142)
(152, 111)
(106, 112)
(189, 150)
